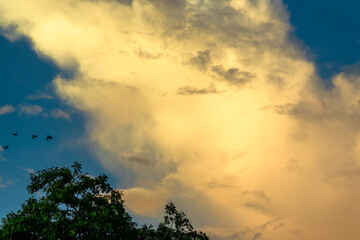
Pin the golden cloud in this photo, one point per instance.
(209, 103)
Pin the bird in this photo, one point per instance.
(34, 136)
(15, 134)
(6, 147)
(49, 137)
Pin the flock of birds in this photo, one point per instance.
(48, 137)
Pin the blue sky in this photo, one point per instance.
(24, 153)
(117, 112)
(330, 31)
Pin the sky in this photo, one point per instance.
(244, 113)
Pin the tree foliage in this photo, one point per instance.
(74, 205)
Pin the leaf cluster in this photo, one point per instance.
(74, 205)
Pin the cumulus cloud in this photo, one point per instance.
(30, 109)
(6, 109)
(61, 114)
(272, 142)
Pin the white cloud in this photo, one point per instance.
(5, 184)
(58, 113)
(6, 109)
(28, 170)
(30, 109)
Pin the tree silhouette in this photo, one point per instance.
(74, 205)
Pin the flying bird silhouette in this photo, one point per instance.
(15, 134)
(49, 137)
(6, 147)
(34, 136)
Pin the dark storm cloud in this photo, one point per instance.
(187, 90)
(233, 75)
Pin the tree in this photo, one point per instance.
(177, 226)
(74, 205)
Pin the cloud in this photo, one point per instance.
(144, 54)
(201, 60)
(275, 142)
(215, 184)
(233, 75)
(293, 165)
(258, 201)
(139, 160)
(39, 96)
(272, 222)
(257, 236)
(258, 206)
(6, 109)
(3, 185)
(187, 90)
(28, 170)
(30, 109)
(58, 113)
(144, 202)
